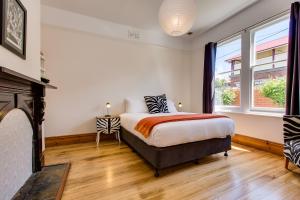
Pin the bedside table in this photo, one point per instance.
(108, 125)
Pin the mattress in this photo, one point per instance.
(174, 133)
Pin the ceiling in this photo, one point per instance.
(143, 14)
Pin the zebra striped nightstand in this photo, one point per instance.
(108, 125)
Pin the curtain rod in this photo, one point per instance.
(255, 25)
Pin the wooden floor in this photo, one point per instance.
(113, 172)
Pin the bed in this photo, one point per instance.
(179, 142)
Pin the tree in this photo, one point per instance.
(220, 83)
(228, 97)
(275, 90)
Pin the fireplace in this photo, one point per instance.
(22, 99)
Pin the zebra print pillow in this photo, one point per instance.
(157, 104)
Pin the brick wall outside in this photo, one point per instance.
(259, 100)
(237, 101)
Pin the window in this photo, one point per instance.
(260, 85)
(228, 74)
(269, 63)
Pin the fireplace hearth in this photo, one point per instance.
(18, 91)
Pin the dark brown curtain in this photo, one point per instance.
(208, 77)
(293, 67)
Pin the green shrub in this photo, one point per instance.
(228, 97)
(275, 90)
(219, 83)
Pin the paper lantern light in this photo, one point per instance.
(176, 17)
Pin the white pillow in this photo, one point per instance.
(171, 106)
(135, 105)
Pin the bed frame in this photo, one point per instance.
(164, 157)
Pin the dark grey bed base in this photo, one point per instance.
(163, 157)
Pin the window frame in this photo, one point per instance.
(253, 64)
(246, 72)
(229, 108)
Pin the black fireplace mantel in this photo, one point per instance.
(25, 93)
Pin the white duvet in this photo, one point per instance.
(173, 133)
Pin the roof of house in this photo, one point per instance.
(265, 46)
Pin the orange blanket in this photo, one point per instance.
(146, 125)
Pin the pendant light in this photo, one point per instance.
(176, 17)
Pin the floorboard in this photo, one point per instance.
(115, 172)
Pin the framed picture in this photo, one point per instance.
(13, 16)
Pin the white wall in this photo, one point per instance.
(90, 70)
(75, 21)
(30, 66)
(269, 128)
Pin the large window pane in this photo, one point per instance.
(228, 73)
(269, 65)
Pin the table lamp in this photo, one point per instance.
(180, 106)
(107, 109)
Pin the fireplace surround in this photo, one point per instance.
(18, 91)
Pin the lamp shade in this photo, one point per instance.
(176, 17)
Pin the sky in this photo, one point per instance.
(263, 35)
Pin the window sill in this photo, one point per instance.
(254, 113)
